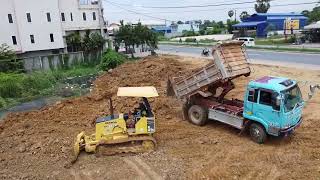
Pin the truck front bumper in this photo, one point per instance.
(289, 130)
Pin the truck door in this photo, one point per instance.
(252, 99)
(267, 112)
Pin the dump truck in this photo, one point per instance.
(272, 106)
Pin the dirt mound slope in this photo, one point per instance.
(37, 145)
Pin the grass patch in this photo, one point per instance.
(19, 87)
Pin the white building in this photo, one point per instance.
(30, 26)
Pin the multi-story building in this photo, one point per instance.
(41, 26)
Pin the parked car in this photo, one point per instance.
(247, 41)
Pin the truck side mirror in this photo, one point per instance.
(276, 101)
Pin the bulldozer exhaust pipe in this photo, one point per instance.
(111, 108)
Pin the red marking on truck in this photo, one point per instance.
(265, 79)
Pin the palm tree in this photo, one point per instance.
(244, 15)
(262, 6)
(230, 13)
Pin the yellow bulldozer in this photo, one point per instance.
(124, 133)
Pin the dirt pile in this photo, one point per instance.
(37, 145)
(35, 141)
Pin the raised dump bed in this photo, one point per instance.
(229, 62)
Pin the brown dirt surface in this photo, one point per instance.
(38, 144)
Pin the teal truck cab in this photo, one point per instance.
(274, 106)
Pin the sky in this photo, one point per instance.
(116, 10)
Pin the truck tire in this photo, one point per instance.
(257, 133)
(197, 115)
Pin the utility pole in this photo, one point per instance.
(101, 19)
(235, 15)
(102, 25)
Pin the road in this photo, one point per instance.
(292, 59)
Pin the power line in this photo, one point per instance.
(135, 12)
(132, 5)
(200, 6)
(168, 12)
(205, 10)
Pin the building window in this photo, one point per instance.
(63, 18)
(84, 16)
(10, 18)
(29, 17)
(14, 40)
(51, 38)
(32, 39)
(71, 17)
(94, 16)
(48, 17)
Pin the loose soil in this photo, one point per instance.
(38, 144)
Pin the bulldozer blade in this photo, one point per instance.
(78, 146)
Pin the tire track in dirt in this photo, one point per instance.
(78, 175)
(144, 171)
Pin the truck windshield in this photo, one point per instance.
(292, 97)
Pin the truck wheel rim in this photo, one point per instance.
(196, 115)
(256, 133)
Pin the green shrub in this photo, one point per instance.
(3, 103)
(292, 39)
(191, 40)
(207, 40)
(111, 60)
(10, 85)
(34, 83)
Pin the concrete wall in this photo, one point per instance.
(58, 61)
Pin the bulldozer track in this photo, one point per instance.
(122, 146)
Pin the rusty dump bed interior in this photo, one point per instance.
(231, 59)
(229, 62)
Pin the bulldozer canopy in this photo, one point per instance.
(138, 92)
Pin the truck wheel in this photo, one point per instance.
(197, 115)
(257, 133)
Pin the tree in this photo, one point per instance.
(8, 60)
(6, 53)
(206, 23)
(244, 15)
(220, 24)
(314, 15)
(230, 13)
(133, 36)
(180, 22)
(229, 25)
(74, 41)
(97, 41)
(262, 6)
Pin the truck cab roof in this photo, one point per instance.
(277, 84)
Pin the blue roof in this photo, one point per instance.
(285, 17)
(249, 24)
(271, 83)
(161, 28)
(278, 14)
